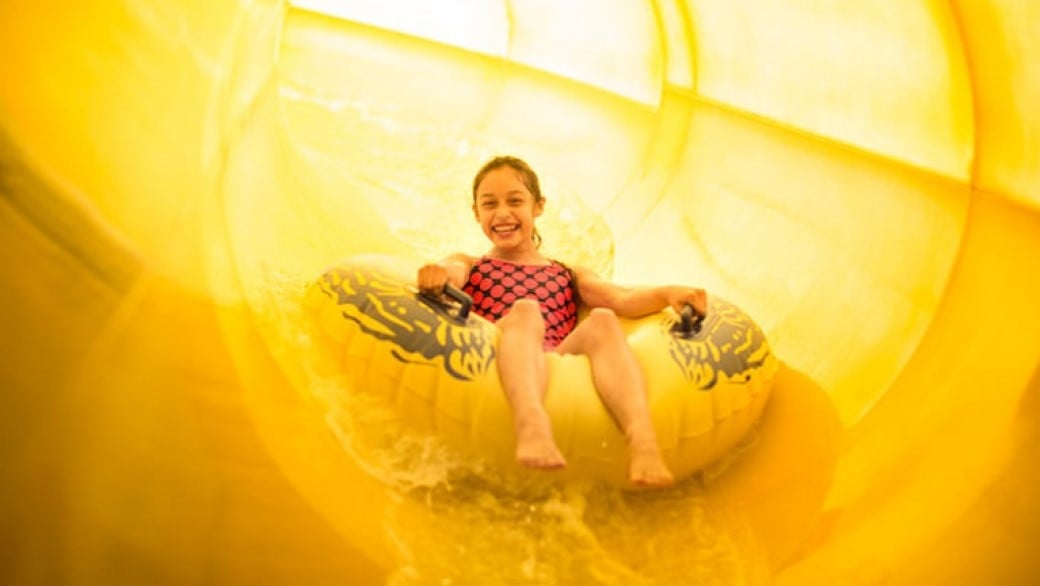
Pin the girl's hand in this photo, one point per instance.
(680, 297)
(432, 278)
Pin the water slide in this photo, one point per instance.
(862, 178)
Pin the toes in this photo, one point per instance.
(548, 459)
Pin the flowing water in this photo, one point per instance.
(455, 519)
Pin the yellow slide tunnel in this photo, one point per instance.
(863, 178)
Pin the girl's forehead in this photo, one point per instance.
(501, 180)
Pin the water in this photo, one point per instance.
(455, 519)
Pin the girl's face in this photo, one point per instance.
(506, 210)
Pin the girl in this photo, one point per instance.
(534, 300)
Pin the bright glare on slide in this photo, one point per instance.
(862, 178)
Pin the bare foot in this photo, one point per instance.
(535, 447)
(649, 470)
(646, 466)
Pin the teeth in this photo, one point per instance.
(503, 228)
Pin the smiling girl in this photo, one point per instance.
(535, 302)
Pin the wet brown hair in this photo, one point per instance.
(527, 175)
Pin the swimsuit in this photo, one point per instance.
(496, 284)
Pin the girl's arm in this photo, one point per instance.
(633, 302)
(453, 269)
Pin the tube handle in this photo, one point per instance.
(454, 293)
(689, 324)
(462, 298)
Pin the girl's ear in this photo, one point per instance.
(539, 207)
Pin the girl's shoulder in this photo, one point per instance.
(578, 271)
(460, 257)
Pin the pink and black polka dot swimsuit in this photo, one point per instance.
(496, 284)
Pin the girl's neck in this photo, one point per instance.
(522, 257)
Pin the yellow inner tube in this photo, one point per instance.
(706, 390)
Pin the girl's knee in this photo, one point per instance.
(599, 333)
(525, 313)
(526, 309)
(604, 322)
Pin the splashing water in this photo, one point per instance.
(456, 519)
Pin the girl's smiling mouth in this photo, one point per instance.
(505, 228)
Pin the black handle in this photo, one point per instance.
(689, 323)
(465, 302)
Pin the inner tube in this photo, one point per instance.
(436, 363)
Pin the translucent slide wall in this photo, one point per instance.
(862, 177)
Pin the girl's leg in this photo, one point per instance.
(619, 382)
(522, 369)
